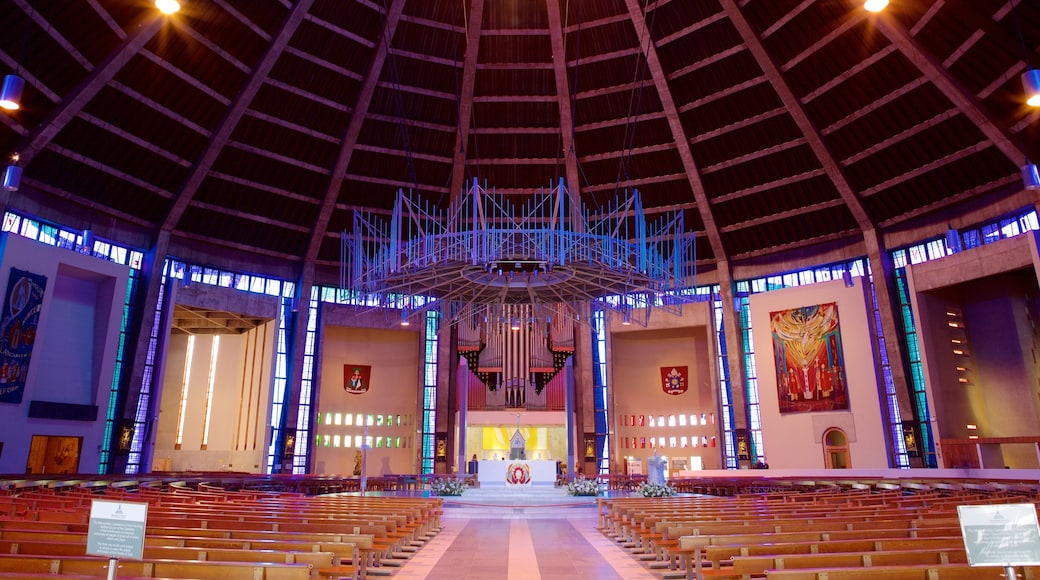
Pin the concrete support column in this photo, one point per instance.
(883, 270)
(139, 336)
(734, 352)
(286, 442)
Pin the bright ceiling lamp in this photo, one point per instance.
(875, 5)
(1031, 85)
(11, 93)
(167, 6)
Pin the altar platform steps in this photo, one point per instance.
(524, 502)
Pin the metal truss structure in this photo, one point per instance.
(487, 253)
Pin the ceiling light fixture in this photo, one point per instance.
(11, 93)
(1030, 176)
(12, 178)
(875, 5)
(168, 6)
(1031, 86)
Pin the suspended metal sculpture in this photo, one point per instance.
(514, 278)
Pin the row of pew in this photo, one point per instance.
(206, 532)
(848, 531)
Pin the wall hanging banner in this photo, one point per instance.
(21, 316)
(355, 378)
(674, 379)
(810, 367)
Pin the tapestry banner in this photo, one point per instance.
(810, 367)
(18, 323)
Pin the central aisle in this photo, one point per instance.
(521, 543)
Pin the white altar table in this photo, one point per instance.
(494, 473)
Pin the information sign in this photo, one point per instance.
(1000, 535)
(117, 529)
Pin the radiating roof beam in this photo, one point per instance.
(933, 70)
(466, 88)
(563, 98)
(324, 63)
(707, 61)
(74, 102)
(234, 114)
(682, 140)
(927, 17)
(798, 114)
(241, 18)
(350, 138)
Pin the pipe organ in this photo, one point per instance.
(517, 347)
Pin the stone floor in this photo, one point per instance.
(537, 537)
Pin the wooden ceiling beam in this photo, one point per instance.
(227, 177)
(241, 18)
(708, 135)
(900, 137)
(789, 16)
(874, 105)
(340, 31)
(353, 132)
(395, 183)
(794, 108)
(741, 159)
(706, 61)
(953, 90)
(787, 214)
(330, 66)
(608, 123)
(465, 102)
(249, 216)
(691, 28)
(767, 186)
(606, 155)
(563, 100)
(234, 114)
(927, 167)
(636, 182)
(109, 170)
(161, 109)
(76, 100)
(830, 37)
(400, 153)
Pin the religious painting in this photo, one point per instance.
(674, 379)
(742, 441)
(18, 323)
(810, 366)
(356, 378)
(910, 439)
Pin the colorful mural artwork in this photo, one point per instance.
(810, 366)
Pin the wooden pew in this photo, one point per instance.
(924, 572)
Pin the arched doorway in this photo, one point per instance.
(836, 449)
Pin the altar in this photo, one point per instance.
(516, 473)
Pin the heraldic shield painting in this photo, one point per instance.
(810, 367)
(355, 378)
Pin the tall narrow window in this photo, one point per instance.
(185, 383)
(209, 388)
(429, 418)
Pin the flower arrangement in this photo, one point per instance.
(448, 487)
(582, 486)
(647, 489)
